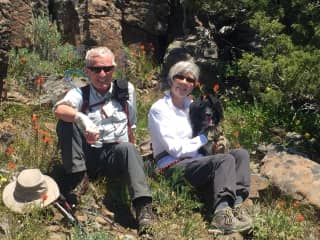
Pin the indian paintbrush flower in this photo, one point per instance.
(11, 165)
(10, 150)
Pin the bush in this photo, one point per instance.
(48, 56)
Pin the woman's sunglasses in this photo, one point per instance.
(106, 69)
(181, 77)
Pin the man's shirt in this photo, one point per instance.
(110, 116)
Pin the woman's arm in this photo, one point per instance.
(173, 133)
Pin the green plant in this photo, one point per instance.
(282, 218)
(44, 37)
(78, 234)
(245, 124)
(48, 55)
(138, 66)
(175, 202)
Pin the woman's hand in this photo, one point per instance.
(221, 145)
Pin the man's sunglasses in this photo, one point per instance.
(181, 77)
(106, 69)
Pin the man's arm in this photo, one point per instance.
(65, 113)
(69, 114)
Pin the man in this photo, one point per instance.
(94, 132)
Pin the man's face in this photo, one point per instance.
(100, 73)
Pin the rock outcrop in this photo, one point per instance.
(294, 175)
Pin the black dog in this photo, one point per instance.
(205, 115)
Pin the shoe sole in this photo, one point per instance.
(220, 231)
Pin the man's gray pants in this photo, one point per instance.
(119, 161)
(220, 175)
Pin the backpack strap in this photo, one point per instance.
(85, 97)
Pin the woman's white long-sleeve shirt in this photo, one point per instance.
(170, 131)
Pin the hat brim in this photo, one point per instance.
(20, 207)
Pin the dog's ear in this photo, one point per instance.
(217, 108)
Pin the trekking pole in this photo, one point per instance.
(65, 213)
(64, 207)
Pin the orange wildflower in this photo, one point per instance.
(197, 84)
(39, 80)
(296, 204)
(23, 60)
(10, 150)
(216, 87)
(44, 197)
(36, 127)
(43, 133)
(47, 140)
(142, 47)
(300, 218)
(34, 118)
(11, 165)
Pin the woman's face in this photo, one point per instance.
(182, 85)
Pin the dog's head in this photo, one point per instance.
(206, 111)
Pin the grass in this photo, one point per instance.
(177, 207)
(180, 213)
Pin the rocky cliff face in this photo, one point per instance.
(4, 40)
(175, 32)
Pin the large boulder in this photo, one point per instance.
(88, 23)
(5, 32)
(293, 174)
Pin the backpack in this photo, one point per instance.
(86, 106)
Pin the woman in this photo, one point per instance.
(226, 176)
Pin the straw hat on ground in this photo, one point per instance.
(30, 189)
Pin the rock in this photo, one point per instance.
(82, 217)
(257, 183)
(232, 236)
(101, 220)
(295, 175)
(57, 236)
(145, 148)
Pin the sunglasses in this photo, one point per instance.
(181, 77)
(106, 69)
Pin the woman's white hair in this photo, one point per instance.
(183, 67)
(98, 52)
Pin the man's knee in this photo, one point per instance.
(125, 147)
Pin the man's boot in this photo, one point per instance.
(73, 186)
(144, 215)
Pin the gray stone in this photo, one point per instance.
(295, 175)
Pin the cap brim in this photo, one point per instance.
(20, 207)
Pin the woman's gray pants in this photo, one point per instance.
(222, 175)
(113, 160)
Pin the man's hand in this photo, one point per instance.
(89, 129)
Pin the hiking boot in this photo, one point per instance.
(73, 186)
(225, 222)
(145, 218)
(241, 213)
